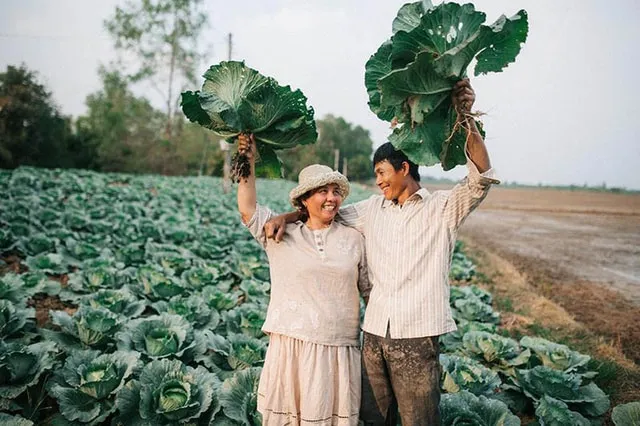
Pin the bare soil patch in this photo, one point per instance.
(579, 250)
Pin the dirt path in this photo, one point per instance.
(581, 251)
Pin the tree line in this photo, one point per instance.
(124, 132)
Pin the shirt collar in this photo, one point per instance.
(419, 195)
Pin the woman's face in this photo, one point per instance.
(324, 202)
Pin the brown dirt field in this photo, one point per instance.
(568, 252)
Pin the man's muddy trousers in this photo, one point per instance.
(400, 375)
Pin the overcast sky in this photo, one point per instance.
(564, 113)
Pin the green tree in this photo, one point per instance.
(127, 127)
(32, 131)
(162, 36)
(334, 133)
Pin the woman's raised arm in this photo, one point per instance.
(247, 186)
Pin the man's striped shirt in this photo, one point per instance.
(409, 250)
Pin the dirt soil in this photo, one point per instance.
(578, 250)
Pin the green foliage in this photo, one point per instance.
(32, 130)
(410, 77)
(464, 408)
(465, 373)
(353, 142)
(162, 336)
(164, 36)
(626, 414)
(237, 99)
(174, 246)
(86, 386)
(168, 392)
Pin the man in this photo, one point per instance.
(410, 235)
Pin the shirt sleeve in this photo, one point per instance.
(467, 195)
(354, 215)
(364, 285)
(257, 222)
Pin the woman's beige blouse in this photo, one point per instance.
(316, 280)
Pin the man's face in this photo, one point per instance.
(389, 180)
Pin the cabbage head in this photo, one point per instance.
(410, 77)
(191, 308)
(464, 408)
(120, 302)
(221, 300)
(474, 309)
(86, 386)
(12, 288)
(246, 319)
(89, 327)
(462, 373)
(162, 336)
(168, 392)
(557, 356)
(156, 283)
(503, 352)
(235, 352)
(237, 99)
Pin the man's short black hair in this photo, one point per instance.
(388, 152)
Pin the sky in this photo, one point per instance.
(562, 114)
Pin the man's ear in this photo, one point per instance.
(405, 168)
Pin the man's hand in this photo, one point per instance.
(463, 96)
(275, 228)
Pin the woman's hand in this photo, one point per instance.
(247, 145)
(463, 96)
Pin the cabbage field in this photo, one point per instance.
(138, 300)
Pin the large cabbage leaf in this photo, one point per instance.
(237, 99)
(410, 77)
(626, 414)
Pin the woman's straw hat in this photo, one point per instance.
(315, 176)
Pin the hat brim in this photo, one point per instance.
(326, 179)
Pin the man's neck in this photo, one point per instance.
(411, 189)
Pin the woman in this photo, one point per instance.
(311, 374)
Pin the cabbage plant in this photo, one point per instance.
(156, 283)
(162, 336)
(465, 408)
(246, 319)
(463, 373)
(168, 392)
(239, 397)
(557, 356)
(474, 309)
(539, 381)
(14, 319)
(236, 99)
(12, 288)
(50, 263)
(503, 352)
(220, 300)
(86, 386)
(22, 365)
(235, 352)
(89, 327)
(120, 302)
(452, 342)
(409, 79)
(191, 308)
